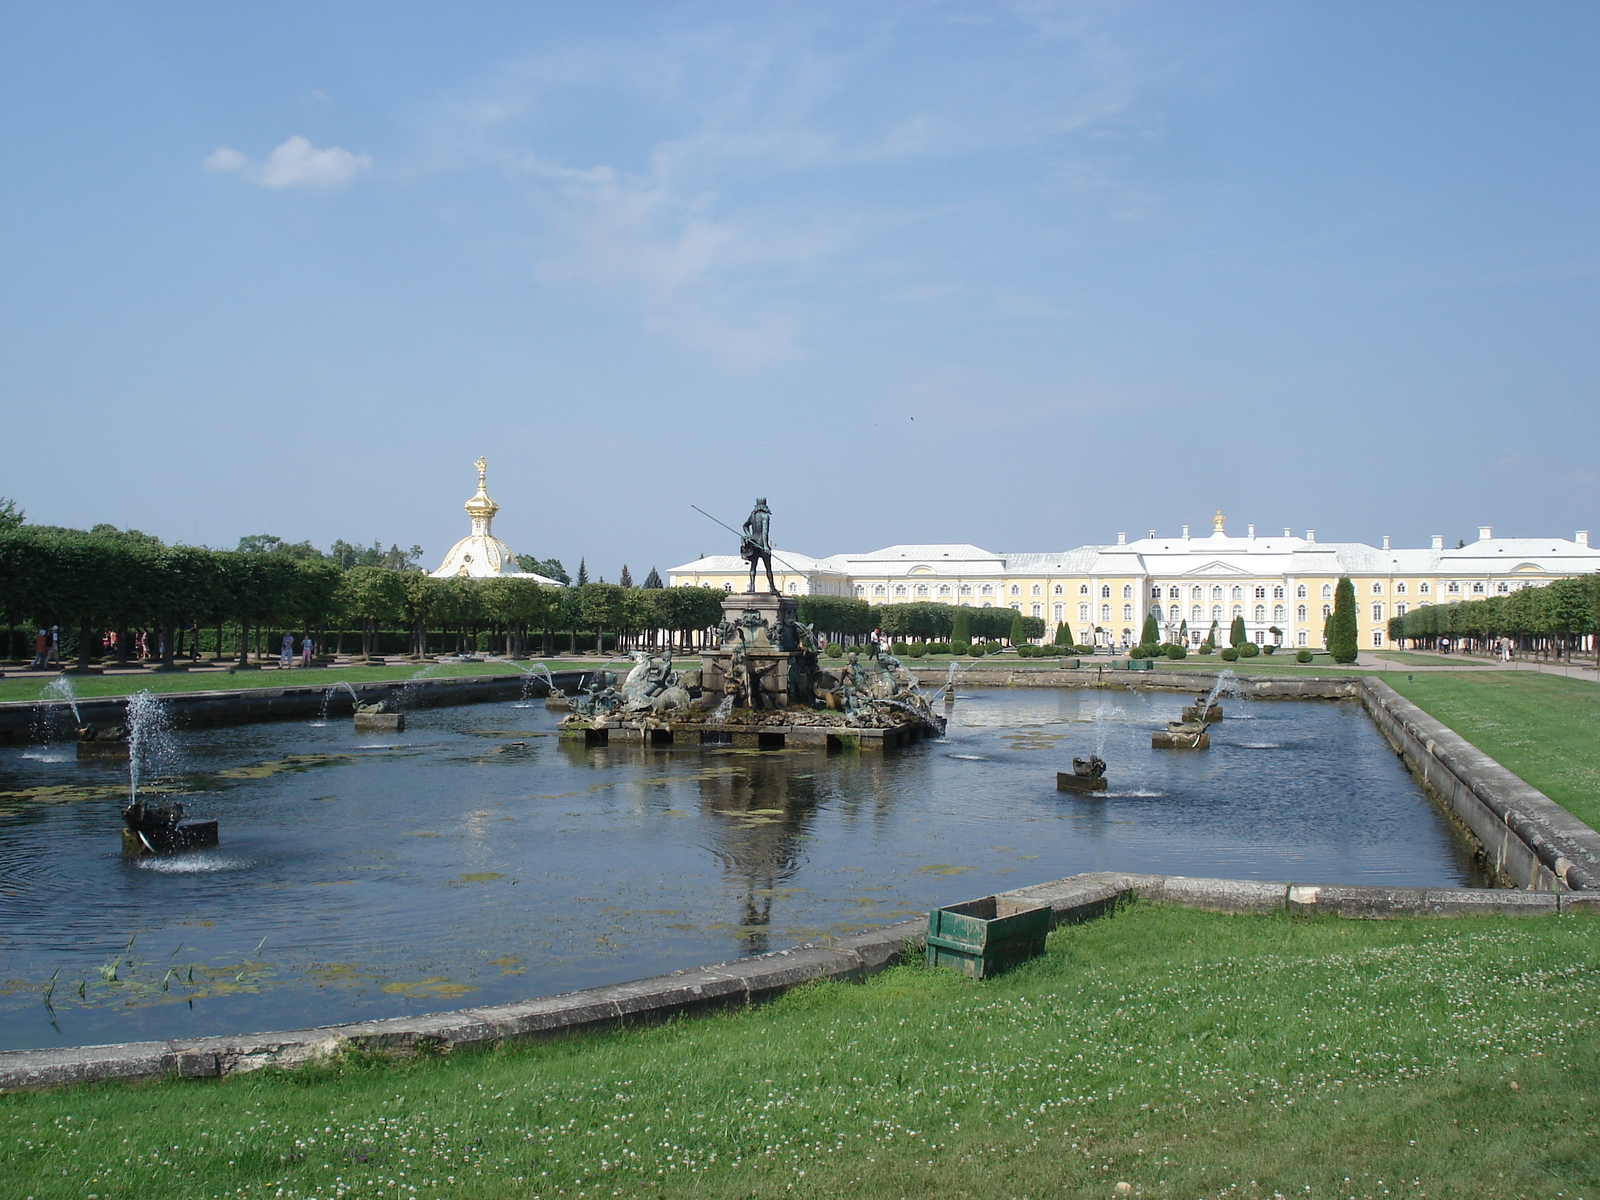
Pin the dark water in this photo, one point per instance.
(450, 866)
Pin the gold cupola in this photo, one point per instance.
(480, 508)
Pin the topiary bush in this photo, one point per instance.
(1269, 649)
(1146, 651)
(898, 648)
(1025, 651)
(938, 647)
(1302, 656)
(833, 650)
(992, 647)
(961, 648)
(1248, 649)
(1176, 651)
(1230, 655)
(917, 649)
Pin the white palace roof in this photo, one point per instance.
(481, 555)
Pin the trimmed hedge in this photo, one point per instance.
(1248, 649)
(1302, 656)
(1230, 655)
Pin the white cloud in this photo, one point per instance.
(294, 163)
(225, 159)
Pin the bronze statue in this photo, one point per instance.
(756, 544)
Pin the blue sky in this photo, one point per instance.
(1024, 275)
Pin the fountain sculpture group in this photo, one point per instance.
(762, 685)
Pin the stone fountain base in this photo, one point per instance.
(1179, 736)
(1194, 714)
(751, 729)
(380, 722)
(160, 829)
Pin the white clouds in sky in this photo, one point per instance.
(294, 163)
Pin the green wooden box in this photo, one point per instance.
(984, 937)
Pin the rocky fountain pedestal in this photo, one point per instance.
(760, 654)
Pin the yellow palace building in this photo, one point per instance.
(1103, 593)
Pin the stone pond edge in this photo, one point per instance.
(736, 983)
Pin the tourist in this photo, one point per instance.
(286, 651)
(41, 650)
(305, 651)
(55, 644)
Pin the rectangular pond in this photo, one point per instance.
(475, 859)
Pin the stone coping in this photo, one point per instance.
(740, 982)
(1529, 836)
(219, 706)
(1304, 687)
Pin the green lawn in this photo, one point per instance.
(205, 681)
(1542, 728)
(1188, 1054)
(1412, 659)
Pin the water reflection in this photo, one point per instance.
(476, 856)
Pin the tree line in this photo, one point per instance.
(1555, 618)
(94, 582)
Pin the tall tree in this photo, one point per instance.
(626, 578)
(583, 571)
(653, 580)
(1150, 635)
(1019, 631)
(1236, 634)
(11, 517)
(961, 626)
(1342, 632)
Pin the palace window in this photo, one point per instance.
(1036, 590)
(1279, 613)
(727, 587)
(1502, 589)
(1238, 610)
(1127, 612)
(1197, 593)
(794, 588)
(1400, 587)
(1377, 589)
(1015, 590)
(987, 589)
(986, 604)
(1060, 590)
(1261, 593)
(1453, 588)
(1083, 612)
(1327, 611)
(1197, 613)
(1083, 589)
(1172, 593)
(1261, 613)
(1105, 612)
(1277, 592)
(1216, 612)
(966, 589)
(1038, 610)
(1059, 612)
(880, 590)
(1477, 589)
(861, 589)
(1377, 612)
(1300, 638)
(1400, 609)
(1238, 592)
(1327, 591)
(1377, 637)
(1127, 591)
(1155, 592)
(944, 589)
(1105, 591)
(899, 589)
(1216, 593)
(1423, 587)
(1016, 608)
(922, 589)
(1300, 613)
(1300, 592)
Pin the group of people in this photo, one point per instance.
(286, 651)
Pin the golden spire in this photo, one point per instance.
(480, 508)
(1216, 521)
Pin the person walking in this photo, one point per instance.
(55, 645)
(41, 650)
(286, 651)
(305, 651)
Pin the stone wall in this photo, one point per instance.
(1525, 835)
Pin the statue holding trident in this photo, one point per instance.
(756, 543)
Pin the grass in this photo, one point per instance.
(1188, 1054)
(1544, 729)
(211, 681)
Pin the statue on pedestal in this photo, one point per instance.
(756, 544)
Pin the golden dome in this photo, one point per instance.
(480, 507)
